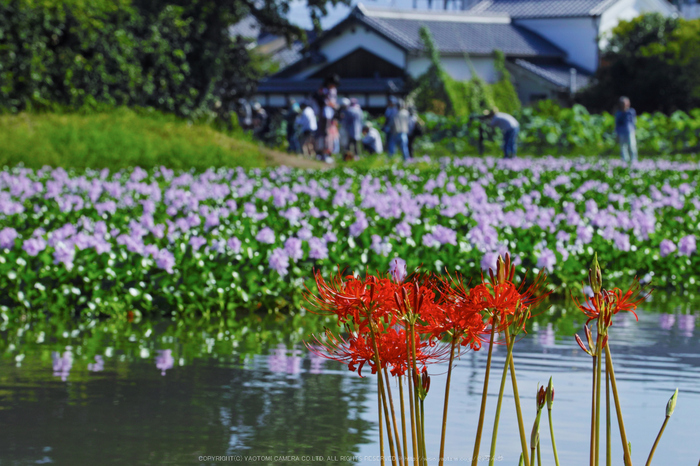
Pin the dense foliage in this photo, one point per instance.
(437, 92)
(176, 56)
(652, 59)
(548, 129)
(231, 239)
(118, 139)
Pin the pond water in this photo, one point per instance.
(166, 393)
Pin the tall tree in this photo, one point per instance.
(653, 60)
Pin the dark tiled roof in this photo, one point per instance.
(286, 55)
(464, 37)
(557, 74)
(347, 86)
(543, 8)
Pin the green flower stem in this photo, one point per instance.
(412, 398)
(656, 442)
(393, 417)
(593, 414)
(422, 428)
(382, 394)
(539, 455)
(623, 434)
(599, 350)
(518, 410)
(381, 434)
(447, 397)
(608, 419)
(403, 420)
(506, 365)
(484, 394)
(554, 442)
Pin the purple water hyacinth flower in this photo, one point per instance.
(7, 238)
(165, 260)
(266, 236)
(546, 259)
(397, 269)
(34, 246)
(622, 241)
(317, 249)
(584, 234)
(403, 229)
(234, 244)
(64, 253)
(151, 250)
(305, 234)
(489, 260)
(380, 246)
(666, 247)
(164, 360)
(62, 364)
(360, 224)
(279, 261)
(293, 248)
(330, 237)
(197, 242)
(687, 246)
(98, 365)
(440, 236)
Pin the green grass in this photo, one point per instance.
(118, 139)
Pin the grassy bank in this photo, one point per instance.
(121, 138)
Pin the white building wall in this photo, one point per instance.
(690, 10)
(576, 36)
(352, 38)
(456, 66)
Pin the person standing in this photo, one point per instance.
(352, 122)
(626, 129)
(510, 128)
(416, 128)
(399, 132)
(292, 129)
(307, 124)
(391, 111)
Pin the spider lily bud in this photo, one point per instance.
(583, 347)
(500, 270)
(671, 405)
(522, 460)
(589, 337)
(550, 394)
(541, 397)
(595, 275)
(422, 383)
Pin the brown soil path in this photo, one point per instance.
(275, 158)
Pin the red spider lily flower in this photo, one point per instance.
(458, 314)
(358, 350)
(609, 302)
(352, 300)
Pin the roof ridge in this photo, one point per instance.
(466, 16)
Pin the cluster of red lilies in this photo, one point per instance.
(385, 316)
(398, 324)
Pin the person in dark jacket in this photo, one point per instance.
(626, 129)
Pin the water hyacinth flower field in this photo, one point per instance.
(155, 241)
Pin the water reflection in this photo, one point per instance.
(165, 360)
(62, 364)
(226, 388)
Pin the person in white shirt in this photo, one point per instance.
(306, 121)
(372, 140)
